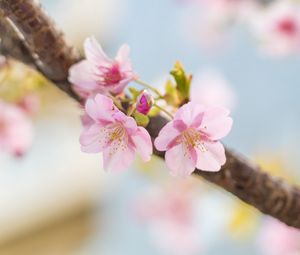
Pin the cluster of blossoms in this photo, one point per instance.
(114, 123)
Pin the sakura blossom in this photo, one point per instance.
(108, 130)
(209, 22)
(100, 74)
(276, 238)
(212, 89)
(30, 104)
(144, 102)
(170, 216)
(191, 139)
(277, 28)
(16, 131)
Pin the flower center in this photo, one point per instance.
(192, 138)
(117, 133)
(287, 26)
(112, 75)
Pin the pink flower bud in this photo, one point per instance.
(144, 102)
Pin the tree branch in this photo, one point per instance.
(53, 56)
(11, 45)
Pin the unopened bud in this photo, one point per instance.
(144, 102)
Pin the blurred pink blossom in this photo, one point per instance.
(277, 28)
(191, 139)
(100, 74)
(108, 130)
(170, 215)
(30, 104)
(211, 89)
(209, 22)
(277, 239)
(16, 131)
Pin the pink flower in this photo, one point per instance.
(278, 28)
(211, 89)
(16, 130)
(277, 239)
(208, 23)
(191, 139)
(100, 74)
(30, 104)
(170, 215)
(108, 130)
(144, 102)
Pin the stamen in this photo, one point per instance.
(117, 133)
(119, 137)
(192, 138)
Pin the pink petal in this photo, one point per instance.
(216, 123)
(166, 135)
(120, 116)
(130, 125)
(180, 160)
(198, 120)
(189, 112)
(212, 158)
(100, 109)
(20, 135)
(118, 156)
(143, 144)
(104, 102)
(118, 88)
(86, 121)
(94, 139)
(94, 53)
(82, 76)
(17, 134)
(123, 54)
(179, 125)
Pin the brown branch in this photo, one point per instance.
(38, 34)
(270, 195)
(11, 45)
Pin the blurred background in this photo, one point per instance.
(244, 54)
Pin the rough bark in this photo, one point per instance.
(243, 179)
(11, 45)
(52, 55)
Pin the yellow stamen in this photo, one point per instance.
(117, 133)
(192, 137)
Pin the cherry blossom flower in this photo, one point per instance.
(100, 74)
(170, 216)
(212, 89)
(276, 238)
(16, 131)
(278, 28)
(144, 102)
(191, 139)
(108, 130)
(30, 104)
(209, 22)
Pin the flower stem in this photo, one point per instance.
(146, 85)
(132, 110)
(164, 110)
